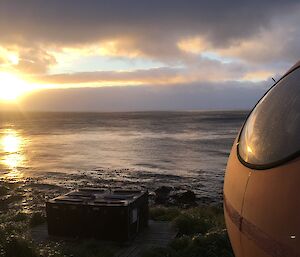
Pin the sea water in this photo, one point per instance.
(180, 149)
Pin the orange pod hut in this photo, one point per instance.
(262, 181)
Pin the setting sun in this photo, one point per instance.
(12, 87)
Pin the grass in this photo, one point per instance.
(164, 213)
(16, 246)
(201, 232)
(15, 224)
(199, 220)
(13, 242)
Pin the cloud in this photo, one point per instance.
(195, 43)
(150, 28)
(279, 42)
(8, 57)
(227, 95)
(202, 71)
(160, 75)
(60, 21)
(34, 60)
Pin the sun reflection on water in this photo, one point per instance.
(11, 142)
(12, 147)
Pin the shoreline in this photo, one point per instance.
(54, 183)
(22, 207)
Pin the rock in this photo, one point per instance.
(162, 194)
(163, 190)
(185, 197)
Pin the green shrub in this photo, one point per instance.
(199, 220)
(18, 247)
(180, 243)
(201, 233)
(211, 245)
(215, 244)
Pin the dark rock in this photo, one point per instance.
(162, 194)
(185, 197)
(163, 190)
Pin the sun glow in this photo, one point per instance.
(12, 87)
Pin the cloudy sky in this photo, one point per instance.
(119, 55)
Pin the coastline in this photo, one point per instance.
(22, 207)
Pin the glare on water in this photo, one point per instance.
(11, 142)
(12, 146)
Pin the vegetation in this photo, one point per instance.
(164, 213)
(15, 226)
(201, 232)
(13, 239)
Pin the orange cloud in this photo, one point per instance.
(194, 45)
(258, 75)
(120, 47)
(8, 57)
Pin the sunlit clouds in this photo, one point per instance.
(194, 45)
(77, 44)
(257, 75)
(8, 57)
(13, 86)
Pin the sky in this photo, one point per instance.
(138, 55)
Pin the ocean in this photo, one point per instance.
(184, 150)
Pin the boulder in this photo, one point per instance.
(162, 194)
(185, 197)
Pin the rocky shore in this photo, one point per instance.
(22, 206)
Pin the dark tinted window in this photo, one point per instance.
(272, 131)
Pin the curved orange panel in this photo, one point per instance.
(235, 183)
(262, 207)
(272, 208)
